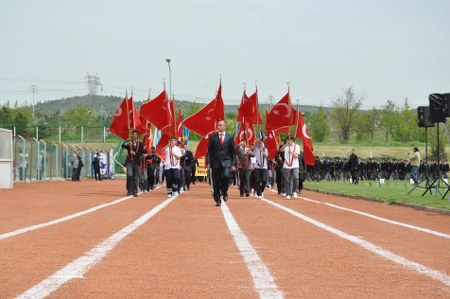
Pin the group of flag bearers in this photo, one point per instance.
(256, 161)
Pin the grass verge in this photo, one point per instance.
(392, 192)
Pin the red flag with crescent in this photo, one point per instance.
(240, 117)
(246, 131)
(281, 115)
(271, 143)
(202, 147)
(249, 110)
(120, 123)
(302, 132)
(157, 111)
(204, 121)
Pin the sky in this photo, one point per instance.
(385, 49)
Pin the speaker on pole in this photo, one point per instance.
(446, 104)
(437, 107)
(423, 114)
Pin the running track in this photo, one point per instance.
(85, 239)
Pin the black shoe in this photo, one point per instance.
(129, 193)
(225, 197)
(247, 194)
(135, 195)
(218, 204)
(242, 194)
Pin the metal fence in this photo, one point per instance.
(40, 160)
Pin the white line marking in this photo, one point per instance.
(78, 267)
(262, 278)
(425, 230)
(56, 221)
(437, 275)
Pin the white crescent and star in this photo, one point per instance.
(304, 131)
(276, 112)
(118, 112)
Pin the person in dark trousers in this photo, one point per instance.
(135, 150)
(353, 165)
(221, 158)
(96, 164)
(153, 162)
(187, 163)
(243, 156)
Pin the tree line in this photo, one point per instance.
(343, 122)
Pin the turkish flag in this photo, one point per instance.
(202, 147)
(220, 108)
(246, 131)
(148, 138)
(157, 111)
(249, 110)
(302, 132)
(281, 115)
(126, 117)
(240, 117)
(165, 138)
(180, 124)
(171, 129)
(271, 143)
(204, 121)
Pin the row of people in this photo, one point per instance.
(144, 168)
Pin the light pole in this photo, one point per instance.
(170, 78)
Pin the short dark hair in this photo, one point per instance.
(134, 131)
(416, 149)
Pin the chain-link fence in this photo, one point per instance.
(41, 160)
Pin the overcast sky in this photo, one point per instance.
(384, 49)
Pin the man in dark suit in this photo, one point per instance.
(221, 158)
(135, 150)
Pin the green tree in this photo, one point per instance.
(22, 122)
(367, 124)
(388, 114)
(319, 125)
(80, 117)
(345, 112)
(6, 117)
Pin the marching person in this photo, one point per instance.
(290, 167)
(188, 164)
(243, 156)
(172, 167)
(221, 158)
(261, 154)
(152, 162)
(135, 150)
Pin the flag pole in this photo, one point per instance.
(128, 112)
(289, 101)
(298, 115)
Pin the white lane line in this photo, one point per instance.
(435, 274)
(262, 278)
(56, 221)
(425, 230)
(78, 267)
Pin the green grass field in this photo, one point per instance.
(392, 192)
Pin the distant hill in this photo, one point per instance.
(107, 105)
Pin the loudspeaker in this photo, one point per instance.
(436, 108)
(423, 114)
(446, 104)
